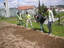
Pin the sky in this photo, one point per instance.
(16, 3)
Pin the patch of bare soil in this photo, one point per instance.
(12, 36)
(3, 24)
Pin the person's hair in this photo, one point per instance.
(35, 16)
(45, 9)
(18, 13)
(26, 12)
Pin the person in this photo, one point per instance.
(39, 18)
(50, 17)
(19, 18)
(28, 19)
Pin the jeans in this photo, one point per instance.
(49, 27)
(41, 26)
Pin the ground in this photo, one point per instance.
(13, 36)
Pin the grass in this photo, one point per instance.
(57, 30)
(56, 22)
(60, 14)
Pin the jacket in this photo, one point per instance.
(28, 16)
(50, 16)
(40, 19)
(19, 16)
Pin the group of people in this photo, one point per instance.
(39, 18)
(27, 17)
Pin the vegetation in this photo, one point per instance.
(54, 12)
(61, 14)
(39, 9)
(60, 6)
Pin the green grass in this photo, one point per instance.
(60, 14)
(56, 22)
(56, 30)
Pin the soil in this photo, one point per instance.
(13, 36)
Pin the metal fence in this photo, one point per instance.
(13, 12)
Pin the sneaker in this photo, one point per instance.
(49, 33)
(41, 31)
(26, 27)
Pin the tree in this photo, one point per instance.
(54, 12)
(42, 8)
(58, 19)
(39, 8)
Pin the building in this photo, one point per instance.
(13, 12)
(61, 10)
(22, 9)
(29, 9)
(32, 7)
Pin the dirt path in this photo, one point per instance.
(12, 36)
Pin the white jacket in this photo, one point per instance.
(51, 16)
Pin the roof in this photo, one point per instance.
(61, 10)
(26, 7)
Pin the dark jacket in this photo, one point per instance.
(40, 19)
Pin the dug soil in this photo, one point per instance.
(13, 36)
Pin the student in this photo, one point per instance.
(50, 17)
(39, 18)
(28, 19)
(19, 18)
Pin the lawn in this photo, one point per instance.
(56, 30)
(59, 15)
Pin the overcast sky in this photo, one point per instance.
(16, 3)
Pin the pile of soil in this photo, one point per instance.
(13, 36)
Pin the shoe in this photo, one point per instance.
(41, 31)
(49, 33)
(26, 27)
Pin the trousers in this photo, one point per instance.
(28, 21)
(49, 27)
(41, 25)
